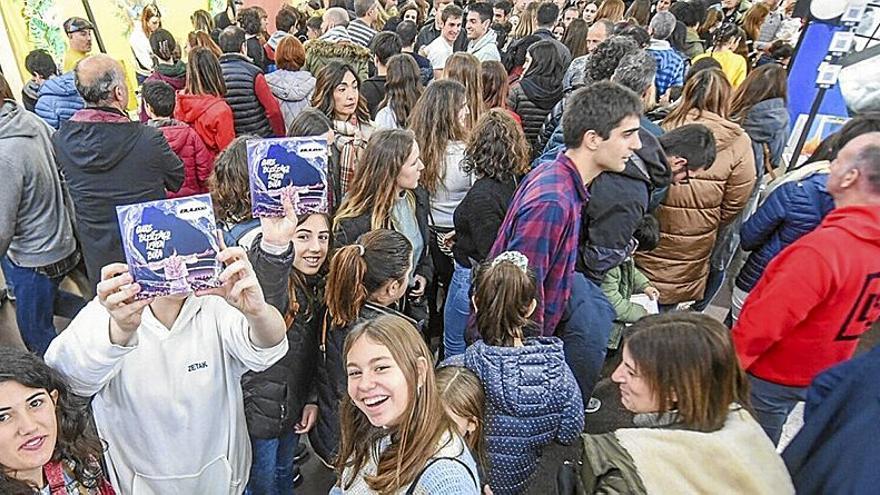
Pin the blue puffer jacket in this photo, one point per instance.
(58, 100)
(532, 399)
(791, 211)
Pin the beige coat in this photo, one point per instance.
(691, 214)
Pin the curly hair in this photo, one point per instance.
(604, 60)
(497, 148)
(229, 183)
(76, 444)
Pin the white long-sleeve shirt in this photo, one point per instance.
(169, 405)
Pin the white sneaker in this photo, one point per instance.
(593, 405)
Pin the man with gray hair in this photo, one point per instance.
(334, 25)
(336, 42)
(361, 28)
(670, 64)
(108, 161)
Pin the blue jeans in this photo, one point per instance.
(586, 325)
(37, 300)
(456, 312)
(773, 403)
(713, 285)
(273, 469)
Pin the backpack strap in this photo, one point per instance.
(412, 487)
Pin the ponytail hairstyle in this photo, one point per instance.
(725, 34)
(504, 295)
(462, 394)
(358, 270)
(164, 46)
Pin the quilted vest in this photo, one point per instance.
(239, 75)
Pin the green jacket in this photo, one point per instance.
(693, 44)
(606, 468)
(320, 52)
(619, 285)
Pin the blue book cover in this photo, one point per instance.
(295, 167)
(171, 245)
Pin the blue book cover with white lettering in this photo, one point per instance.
(171, 245)
(295, 167)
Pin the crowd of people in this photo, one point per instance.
(504, 178)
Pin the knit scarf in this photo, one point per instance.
(350, 140)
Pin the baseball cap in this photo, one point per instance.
(75, 24)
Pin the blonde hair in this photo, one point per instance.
(466, 69)
(462, 393)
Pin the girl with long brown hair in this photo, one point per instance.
(465, 68)
(201, 103)
(149, 22)
(465, 403)
(612, 10)
(403, 88)
(385, 194)
(276, 401)
(337, 95)
(365, 280)
(759, 105)
(681, 377)
(396, 436)
(539, 90)
(230, 193)
(575, 38)
(517, 427)
(497, 154)
(496, 87)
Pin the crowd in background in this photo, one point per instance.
(503, 179)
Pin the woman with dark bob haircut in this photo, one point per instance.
(45, 440)
(694, 432)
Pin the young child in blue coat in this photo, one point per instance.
(532, 398)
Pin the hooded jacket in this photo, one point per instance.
(36, 225)
(174, 75)
(532, 400)
(110, 161)
(58, 100)
(618, 201)
(211, 118)
(767, 124)
(532, 110)
(29, 94)
(791, 211)
(816, 298)
(198, 161)
(292, 89)
(485, 48)
(692, 213)
(319, 53)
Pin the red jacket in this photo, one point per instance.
(198, 161)
(211, 118)
(814, 301)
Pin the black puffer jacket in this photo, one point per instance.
(332, 381)
(531, 114)
(351, 228)
(274, 399)
(618, 201)
(250, 116)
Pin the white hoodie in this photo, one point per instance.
(169, 405)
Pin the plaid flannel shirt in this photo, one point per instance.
(670, 66)
(543, 223)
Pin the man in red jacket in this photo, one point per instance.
(819, 295)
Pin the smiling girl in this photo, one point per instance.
(396, 436)
(290, 259)
(45, 446)
(366, 280)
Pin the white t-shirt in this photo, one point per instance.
(170, 404)
(437, 52)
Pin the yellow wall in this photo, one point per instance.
(112, 19)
